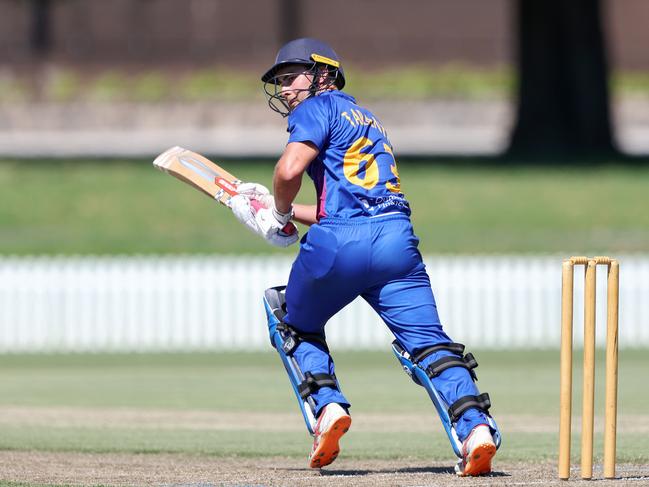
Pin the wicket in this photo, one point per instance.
(610, 417)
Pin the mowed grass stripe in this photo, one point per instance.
(519, 382)
(523, 386)
(632, 447)
(109, 207)
(289, 421)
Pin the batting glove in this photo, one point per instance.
(247, 214)
(271, 221)
(257, 192)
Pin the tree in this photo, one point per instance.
(290, 16)
(40, 32)
(563, 96)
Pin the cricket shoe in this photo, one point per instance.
(332, 424)
(477, 451)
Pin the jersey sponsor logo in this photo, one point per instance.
(383, 202)
(325, 60)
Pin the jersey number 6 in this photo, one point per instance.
(355, 160)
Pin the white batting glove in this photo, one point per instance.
(282, 239)
(271, 221)
(258, 192)
(245, 212)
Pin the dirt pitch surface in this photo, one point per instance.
(170, 470)
(200, 471)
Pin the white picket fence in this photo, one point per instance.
(141, 303)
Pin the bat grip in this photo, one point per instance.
(288, 229)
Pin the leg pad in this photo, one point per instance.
(313, 382)
(285, 340)
(449, 415)
(468, 362)
(481, 402)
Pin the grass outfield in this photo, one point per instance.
(241, 405)
(108, 207)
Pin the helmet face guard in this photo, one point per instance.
(315, 58)
(323, 78)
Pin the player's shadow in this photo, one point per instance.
(631, 477)
(361, 472)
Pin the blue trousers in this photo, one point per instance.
(376, 258)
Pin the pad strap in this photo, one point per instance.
(481, 402)
(293, 337)
(456, 348)
(313, 382)
(438, 366)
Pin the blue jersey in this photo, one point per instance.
(355, 173)
(349, 253)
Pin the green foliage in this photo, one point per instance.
(151, 87)
(62, 85)
(218, 84)
(202, 85)
(452, 81)
(109, 86)
(13, 89)
(223, 83)
(631, 82)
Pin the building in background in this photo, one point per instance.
(128, 61)
(246, 33)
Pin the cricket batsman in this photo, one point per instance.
(360, 243)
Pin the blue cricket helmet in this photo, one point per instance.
(307, 51)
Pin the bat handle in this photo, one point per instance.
(289, 228)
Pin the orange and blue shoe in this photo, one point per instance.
(477, 451)
(333, 422)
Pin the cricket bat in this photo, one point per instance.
(206, 176)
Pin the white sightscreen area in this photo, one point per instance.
(62, 304)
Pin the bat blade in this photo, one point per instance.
(199, 172)
(206, 176)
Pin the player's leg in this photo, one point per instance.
(433, 361)
(322, 281)
(318, 393)
(306, 357)
(285, 340)
(406, 304)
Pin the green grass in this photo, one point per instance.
(520, 383)
(110, 207)
(224, 381)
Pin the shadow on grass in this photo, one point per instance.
(362, 472)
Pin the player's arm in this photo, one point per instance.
(270, 220)
(287, 178)
(305, 214)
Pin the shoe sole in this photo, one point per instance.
(328, 448)
(480, 461)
